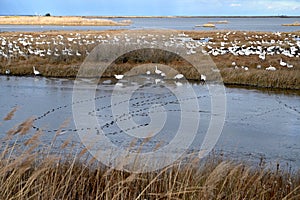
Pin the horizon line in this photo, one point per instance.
(163, 16)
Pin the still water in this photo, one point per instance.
(258, 123)
(242, 24)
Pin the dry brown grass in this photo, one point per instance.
(58, 20)
(28, 171)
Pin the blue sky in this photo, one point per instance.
(150, 7)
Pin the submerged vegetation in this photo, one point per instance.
(30, 169)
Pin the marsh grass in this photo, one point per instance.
(29, 170)
(59, 20)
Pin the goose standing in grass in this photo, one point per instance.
(282, 63)
(119, 76)
(271, 68)
(258, 66)
(178, 76)
(36, 72)
(262, 56)
(157, 71)
(77, 53)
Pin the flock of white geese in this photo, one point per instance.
(287, 45)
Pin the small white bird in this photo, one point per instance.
(262, 56)
(246, 68)
(178, 76)
(7, 72)
(36, 72)
(157, 71)
(290, 65)
(258, 66)
(202, 77)
(148, 72)
(271, 68)
(157, 80)
(163, 74)
(233, 64)
(77, 53)
(120, 76)
(282, 63)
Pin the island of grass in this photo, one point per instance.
(292, 24)
(60, 21)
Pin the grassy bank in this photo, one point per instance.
(29, 169)
(59, 21)
(60, 54)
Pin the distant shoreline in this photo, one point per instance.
(192, 16)
(175, 16)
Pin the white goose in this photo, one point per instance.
(282, 63)
(271, 68)
(36, 72)
(202, 78)
(119, 76)
(178, 76)
(157, 71)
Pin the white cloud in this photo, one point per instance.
(281, 5)
(296, 8)
(268, 7)
(235, 5)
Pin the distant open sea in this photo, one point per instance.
(241, 24)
